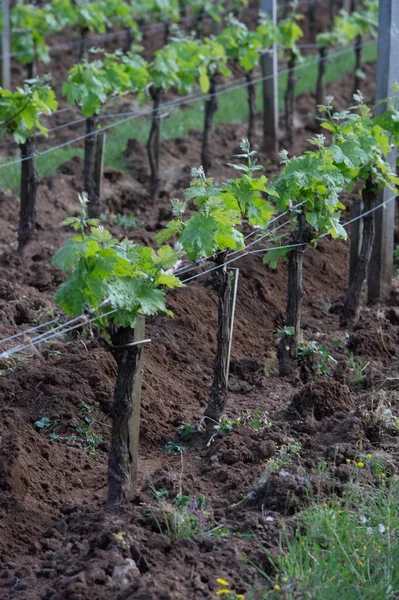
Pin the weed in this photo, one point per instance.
(285, 456)
(315, 359)
(185, 432)
(225, 592)
(348, 550)
(173, 448)
(223, 427)
(43, 424)
(123, 221)
(83, 431)
(181, 517)
(258, 419)
(357, 368)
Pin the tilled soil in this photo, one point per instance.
(57, 540)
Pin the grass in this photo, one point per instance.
(343, 550)
(232, 108)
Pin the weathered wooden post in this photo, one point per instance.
(99, 163)
(381, 264)
(356, 236)
(5, 72)
(270, 86)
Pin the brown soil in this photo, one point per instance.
(57, 540)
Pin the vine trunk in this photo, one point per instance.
(211, 106)
(153, 142)
(94, 205)
(223, 283)
(123, 456)
(351, 309)
(288, 347)
(29, 185)
(289, 97)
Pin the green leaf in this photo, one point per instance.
(170, 281)
(271, 256)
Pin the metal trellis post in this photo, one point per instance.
(5, 71)
(270, 85)
(381, 263)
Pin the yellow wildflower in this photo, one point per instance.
(223, 592)
(348, 460)
(360, 464)
(325, 505)
(361, 563)
(284, 579)
(276, 587)
(240, 597)
(222, 581)
(369, 455)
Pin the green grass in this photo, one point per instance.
(341, 551)
(232, 108)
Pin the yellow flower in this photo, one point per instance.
(369, 455)
(284, 579)
(348, 460)
(240, 597)
(364, 547)
(361, 563)
(325, 505)
(360, 464)
(339, 511)
(222, 581)
(276, 587)
(223, 592)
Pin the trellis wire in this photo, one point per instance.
(122, 33)
(185, 100)
(243, 253)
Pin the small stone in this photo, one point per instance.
(68, 507)
(34, 548)
(124, 574)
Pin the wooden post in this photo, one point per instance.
(270, 86)
(233, 299)
(5, 72)
(381, 264)
(123, 455)
(134, 423)
(99, 164)
(356, 237)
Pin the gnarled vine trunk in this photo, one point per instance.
(251, 96)
(321, 80)
(288, 347)
(312, 18)
(123, 456)
(351, 309)
(29, 184)
(211, 106)
(94, 205)
(223, 283)
(289, 97)
(358, 63)
(153, 141)
(83, 43)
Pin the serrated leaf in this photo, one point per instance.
(271, 256)
(170, 281)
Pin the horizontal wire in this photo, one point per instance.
(147, 27)
(245, 252)
(186, 100)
